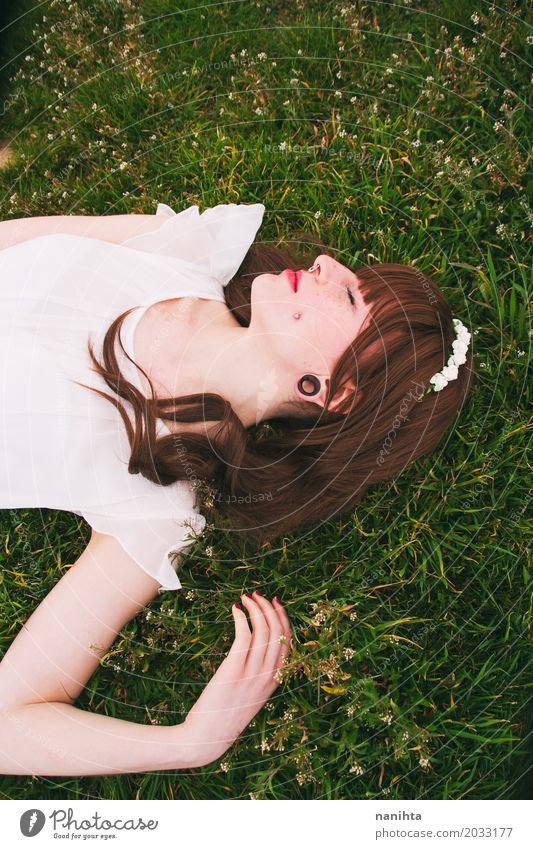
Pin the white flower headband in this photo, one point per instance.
(451, 369)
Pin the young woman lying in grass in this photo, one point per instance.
(291, 390)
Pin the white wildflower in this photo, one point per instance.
(357, 768)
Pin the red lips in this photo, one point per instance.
(294, 277)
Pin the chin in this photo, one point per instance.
(265, 274)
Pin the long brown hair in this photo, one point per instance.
(311, 465)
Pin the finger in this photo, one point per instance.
(241, 643)
(260, 637)
(287, 630)
(270, 657)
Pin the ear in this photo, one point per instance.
(347, 392)
(320, 399)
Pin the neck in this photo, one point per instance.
(220, 356)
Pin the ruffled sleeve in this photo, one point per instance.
(215, 241)
(150, 522)
(150, 540)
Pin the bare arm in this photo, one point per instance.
(109, 228)
(52, 658)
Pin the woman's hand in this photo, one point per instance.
(244, 680)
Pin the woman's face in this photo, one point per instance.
(331, 308)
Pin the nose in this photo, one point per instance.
(328, 271)
(324, 268)
(318, 266)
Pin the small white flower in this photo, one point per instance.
(438, 381)
(357, 768)
(450, 372)
(459, 347)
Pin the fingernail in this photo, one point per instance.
(248, 595)
(277, 599)
(237, 605)
(258, 593)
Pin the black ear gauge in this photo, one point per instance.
(312, 379)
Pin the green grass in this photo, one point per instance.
(411, 675)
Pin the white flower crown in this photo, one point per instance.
(451, 369)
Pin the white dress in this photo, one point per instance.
(63, 446)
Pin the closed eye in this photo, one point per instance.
(352, 299)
